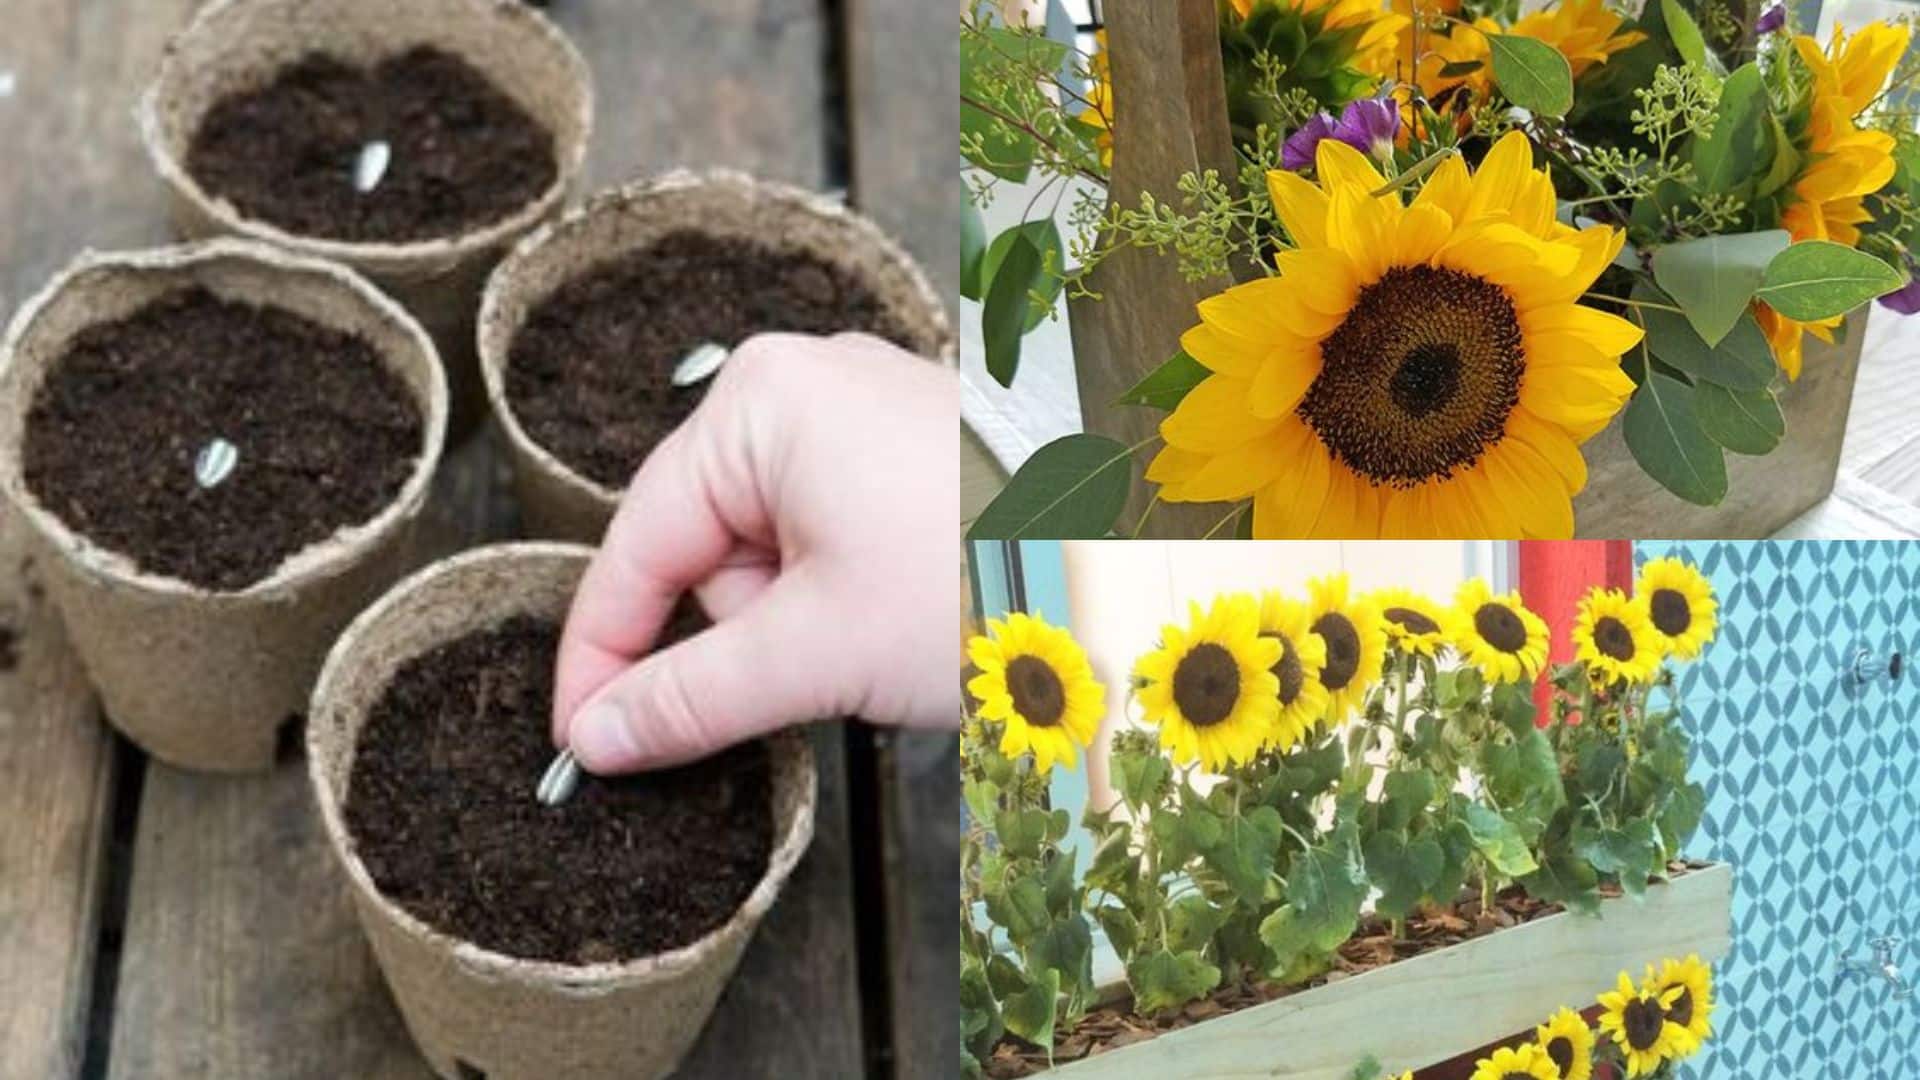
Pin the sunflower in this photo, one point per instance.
(1584, 31)
(1035, 679)
(1845, 164)
(1527, 1062)
(1303, 653)
(1377, 31)
(1691, 1010)
(1414, 370)
(1356, 642)
(1614, 637)
(1099, 111)
(1680, 606)
(1211, 686)
(1412, 622)
(1568, 1040)
(1637, 1021)
(1496, 633)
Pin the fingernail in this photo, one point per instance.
(601, 738)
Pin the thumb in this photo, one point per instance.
(769, 666)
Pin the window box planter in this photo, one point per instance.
(1431, 1007)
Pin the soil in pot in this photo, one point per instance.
(121, 442)
(461, 153)
(590, 373)
(441, 809)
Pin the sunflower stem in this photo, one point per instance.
(1415, 171)
(1634, 303)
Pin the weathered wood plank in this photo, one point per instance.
(736, 83)
(56, 784)
(920, 819)
(902, 66)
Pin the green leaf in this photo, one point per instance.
(1664, 434)
(1114, 866)
(1457, 844)
(1045, 237)
(1402, 870)
(1070, 489)
(1186, 834)
(1532, 74)
(1066, 946)
(1029, 1013)
(1140, 777)
(1524, 777)
(1743, 421)
(980, 1023)
(1725, 160)
(1021, 832)
(1021, 909)
(991, 58)
(1713, 279)
(1563, 879)
(1244, 856)
(1681, 815)
(983, 799)
(1003, 318)
(1687, 39)
(1818, 279)
(1499, 841)
(1062, 896)
(973, 246)
(1191, 921)
(1167, 385)
(1405, 795)
(1164, 980)
(1513, 705)
(1742, 360)
(1628, 853)
(1123, 930)
(1785, 164)
(1005, 976)
(1325, 887)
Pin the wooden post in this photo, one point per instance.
(1170, 118)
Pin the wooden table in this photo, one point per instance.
(158, 923)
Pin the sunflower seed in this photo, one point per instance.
(371, 166)
(699, 364)
(215, 462)
(559, 781)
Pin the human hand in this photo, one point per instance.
(809, 504)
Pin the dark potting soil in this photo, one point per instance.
(325, 434)
(441, 808)
(589, 375)
(463, 154)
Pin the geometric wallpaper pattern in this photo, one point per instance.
(1813, 794)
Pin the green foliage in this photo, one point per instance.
(1532, 74)
(1073, 487)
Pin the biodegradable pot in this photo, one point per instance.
(557, 501)
(200, 678)
(235, 45)
(467, 1007)
(1445, 1002)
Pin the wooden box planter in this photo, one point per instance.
(1426, 1009)
(1172, 120)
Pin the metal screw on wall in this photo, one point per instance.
(1880, 966)
(1869, 667)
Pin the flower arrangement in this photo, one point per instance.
(1292, 756)
(1465, 243)
(1645, 1029)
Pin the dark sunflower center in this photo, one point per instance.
(1288, 670)
(1036, 691)
(1560, 1049)
(1415, 622)
(1670, 612)
(1682, 1011)
(1518, 1076)
(1418, 380)
(1500, 627)
(1343, 649)
(1206, 684)
(1642, 1019)
(1612, 637)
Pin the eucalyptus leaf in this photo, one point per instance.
(1743, 421)
(1684, 32)
(1072, 488)
(1664, 434)
(1743, 359)
(1818, 279)
(1713, 278)
(1532, 74)
(1043, 286)
(1167, 385)
(1003, 317)
(973, 248)
(1725, 161)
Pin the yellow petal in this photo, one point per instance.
(1532, 488)
(1364, 228)
(1421, 232)
(1553, 445)
(1283, 380)
(1301, 206)
(1610, 334)
(1447, 188)
(1227, 354)
(1497, 183)
(1322, 279)
(1287, 507)
(1214, 416)
(1351, 509)
(1340, 165)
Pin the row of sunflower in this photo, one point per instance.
(1663, 208)
(1646, 1029)
(1288, 760)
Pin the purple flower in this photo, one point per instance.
(1773, 18)
(1906, 298)
(1369, 125)
(1297, 152)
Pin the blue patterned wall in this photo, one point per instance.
(1814, 795)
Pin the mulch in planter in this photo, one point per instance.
(441, 808)
(326, 435)
(1373, 945)
(589, 375)
(463, 153)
